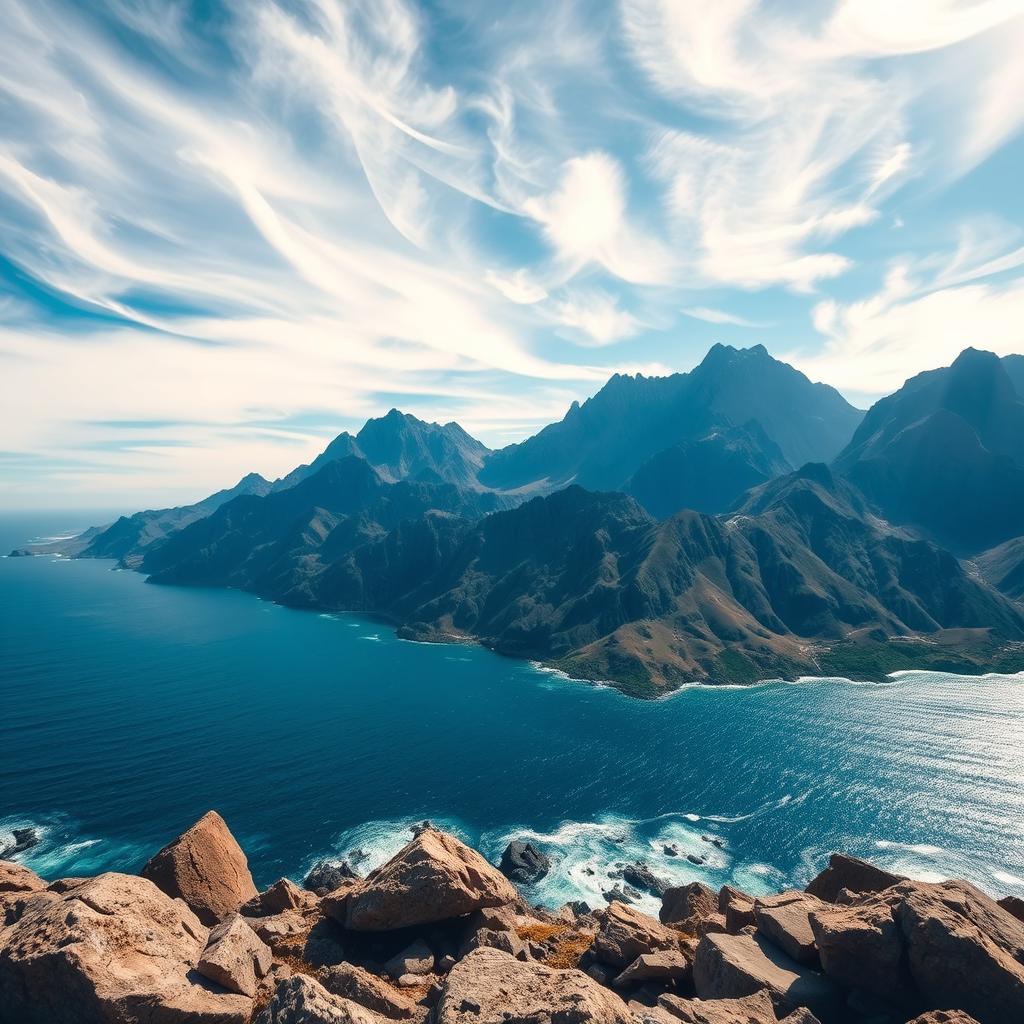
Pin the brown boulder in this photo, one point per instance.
(235, 957)
(785, 920)
(366, 989)
(490, 987)
(667, 965)
(731, 966)
(1013, 905)
(753, 1009)
(944, 1017)
(737, 908)
(16, 878)
(302, 1000)
(626, 933)
(433, 878)
(852, 874)
(283, 895)
(683, 902)
(110, 950)
(206, 868)
(963, 950)
(862, 947)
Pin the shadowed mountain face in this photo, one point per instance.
(708, 474)
(400, 447)
(1014, 367)
(945, 453)
(604, 442)
(1003, 567)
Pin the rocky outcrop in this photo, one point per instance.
(1013, 905)
(235, 957)
(523, 863)
(852, 874)
(785, 921)
(943, 945)
(22, 839)
(754, 1009)
(626, 934)
(360, 986)
(433, 878)
(490, 987)
(110, 950)
(732, 966)
(17, 878)
(687, 904)
(206, 868)
(326, 876)
(446, 939)
(302, 1000)
(282, 896)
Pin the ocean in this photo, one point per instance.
(127, 710)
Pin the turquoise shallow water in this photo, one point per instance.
(127, 710)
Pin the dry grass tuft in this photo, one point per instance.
(541, 932)
(569, 950)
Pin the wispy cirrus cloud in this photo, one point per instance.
(229, 218)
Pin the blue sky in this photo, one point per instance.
(230, 229)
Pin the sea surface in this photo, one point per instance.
(127, 710)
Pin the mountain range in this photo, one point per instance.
(734, 523)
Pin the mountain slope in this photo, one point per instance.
(1014, 367)
(603, 442)
(945, 454)
(708, 474)
(131, 536)
(277, 544)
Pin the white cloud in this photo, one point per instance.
(925, 314)
(596, 318)
(719, 316)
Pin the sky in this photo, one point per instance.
(229, 230)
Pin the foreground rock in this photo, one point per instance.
(755, 1009)
(523, 863)
(17, 878)
(366, 989)
(206, 868)
(301, 1000)
(942, 945)
(433, 878)
(785, 921)
(235, 957)
(626, 934)
(688, 904)
(111, 949)
(733, 966)
(490, 987)
(852, 874)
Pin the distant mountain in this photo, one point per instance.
(707, 474)
(945, 454)
(401, 447)
(129, 537)
(1003, 567)
(603, 443)
(274, 545)
(1014, 367)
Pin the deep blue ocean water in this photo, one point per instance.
(127, 710)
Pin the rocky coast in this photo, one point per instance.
(438, 935)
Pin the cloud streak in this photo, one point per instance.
(277, 210)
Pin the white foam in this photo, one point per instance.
(1006, 878)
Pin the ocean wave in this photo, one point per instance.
(65, 849)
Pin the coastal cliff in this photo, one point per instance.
(438, 935)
